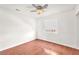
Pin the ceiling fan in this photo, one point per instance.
(39, 8)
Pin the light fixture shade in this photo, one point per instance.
(40, 8)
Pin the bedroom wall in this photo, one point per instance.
(15, 28)
(78, 31)
(66, 28)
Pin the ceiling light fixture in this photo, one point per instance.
(39, 8)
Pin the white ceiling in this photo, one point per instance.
(26, 8)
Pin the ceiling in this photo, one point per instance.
(26, 8)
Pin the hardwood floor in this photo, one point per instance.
(37, 47)
(30, 48)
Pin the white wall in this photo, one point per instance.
(15, 28)
(66, 23)
(78, 31)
